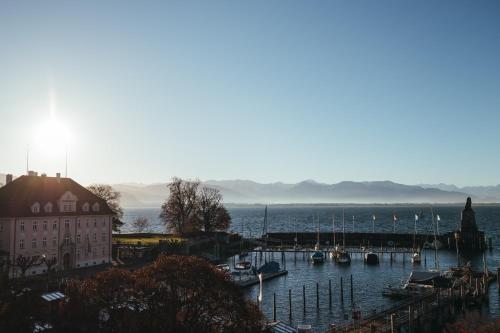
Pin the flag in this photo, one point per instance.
(394, 217)
(373, 217)
(438, 218)
(416, 217)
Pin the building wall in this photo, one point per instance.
(75, 241)
(5, 234)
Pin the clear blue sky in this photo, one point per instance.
(266, 90)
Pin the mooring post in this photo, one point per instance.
(393, 322)
(410, 317)
(290, 304)
(274, 306)
(304, 296)
(317, 295)
(352, 293)
(425, 258)
(498, 279)
(330, 293)
(341, 290)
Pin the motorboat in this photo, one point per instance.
(407, 290)
(224, 268)
(243, 265)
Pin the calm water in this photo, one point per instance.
(368, 280)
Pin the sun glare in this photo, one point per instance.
(53, 136)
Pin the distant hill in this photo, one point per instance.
(483, 193)
(309, 191)
(2, 179)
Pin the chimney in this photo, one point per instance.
(58, 176)
(32, 173)
(8, 178)
(43, 175)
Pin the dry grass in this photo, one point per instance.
(145, 240)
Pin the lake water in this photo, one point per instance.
(368, 280)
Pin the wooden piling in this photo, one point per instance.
(304, 297)
(317, 295)
(330, 294)
(290, 304)
(352, 293)
(393, 323)
(498, 279)
(341, 290)
(274, 306)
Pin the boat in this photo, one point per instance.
(416, 259)
(224, 268)
(243, 265)
(407, 290)
(371, 258)
(318, 257)
(343, 257)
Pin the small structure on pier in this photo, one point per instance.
(469, 237)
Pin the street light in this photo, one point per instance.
(457, 238)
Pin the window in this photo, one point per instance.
(103, 237)
(66, 240)
(44, 242)
(77, 254)
(95, 223)
(66, 224)
(1, 227)
(33, 243)
(95, 237)
(95, 207)
(54, 241)
(54, 225)
(85, 207)
(48, 207)
(94, 253)
(35, 225)
(78, 223)
(45, 225)
(22, 226)
(21, 244)
(35, 208)
(78, 239)
(103, 222)
(103, 250)
(87, 223)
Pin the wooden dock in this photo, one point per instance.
(255, 280)
(424, 313)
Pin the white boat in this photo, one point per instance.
(243, 265)
(407, 290)
(416, 259)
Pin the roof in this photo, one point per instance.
(54, 296)
(280, 327)
(17, 197)
(423, 276)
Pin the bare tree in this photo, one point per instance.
(212, 215)
(50, 263)
(179, 211)
(24, 263)
(112, 198)
(141, 224)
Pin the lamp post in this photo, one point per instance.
(457, 238)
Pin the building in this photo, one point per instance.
(53, 217)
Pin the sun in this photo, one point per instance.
(53, 136)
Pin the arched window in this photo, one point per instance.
(95, 207)
(48, 207)
(86, 207)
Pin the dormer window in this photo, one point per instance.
(95, 207)
(48, 207)
(86, 207)
(67, 203)
(35, 208)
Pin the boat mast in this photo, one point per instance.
(436, 256)
(333, 222)
(317, 234)
(264, 228)
(343, 228)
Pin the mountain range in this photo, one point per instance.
(310, 191)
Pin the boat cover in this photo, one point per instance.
(270, 267)
(421, 277)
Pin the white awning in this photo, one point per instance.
(53, 296)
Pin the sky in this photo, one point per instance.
(407, 91)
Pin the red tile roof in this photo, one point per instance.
(17, 197)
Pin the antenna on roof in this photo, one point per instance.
(66, 171)
(27, 158)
